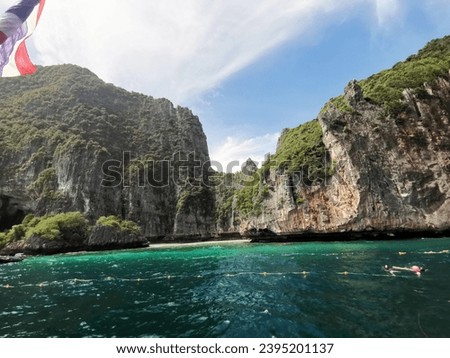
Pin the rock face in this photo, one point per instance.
(392, 171)
(107, 237)
(376, 160)
(387, 170)
(39, 246)
(70, 142)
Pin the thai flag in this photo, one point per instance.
(16, 25)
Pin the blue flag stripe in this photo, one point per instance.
(23, 9)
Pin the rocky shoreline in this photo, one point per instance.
(11, 259)
(267, 236)
(18, 254)
(348, 236)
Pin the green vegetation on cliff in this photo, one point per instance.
(45, 184)
(63, 226)
(16, 233)
(341, 104)
(301, 151)
(386, 87)
(244, 193)
(249, 200)
(49, 227)
(224, 206)
(71, 142)
(195, 197)
(66, 107)
(56, 226)
(125, 226)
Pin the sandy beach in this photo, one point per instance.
(195, 244)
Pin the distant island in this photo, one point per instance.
(89, 166)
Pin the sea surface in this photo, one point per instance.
(232, 290)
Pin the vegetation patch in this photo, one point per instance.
(341, 104)
(45, 184)
(52, 227)
(386, 87)
(301, 151)
(300, 201)
(124, 226)
(225, 206)
(49, 227)
(16, 233)
(196, 196)
(62, 226)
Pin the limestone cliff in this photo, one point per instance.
(385, 160)
(70, 142)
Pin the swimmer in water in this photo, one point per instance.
(389, 269)
(416, 269)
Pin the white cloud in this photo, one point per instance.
(176, 48)
(388, 11)
(231, 154)
(179, 48)
(182, 49)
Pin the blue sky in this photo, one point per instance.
(249, 68)
(290, 85)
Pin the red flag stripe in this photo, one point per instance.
(3, 37)
(23, 62)
(41, 7)
(22, 58)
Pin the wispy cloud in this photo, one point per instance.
(182, 48)
(388, 10)
(179, 48)
(231, 154)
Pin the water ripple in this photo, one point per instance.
(293, 290)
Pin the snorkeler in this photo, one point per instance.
(389, 269)
(416, 269)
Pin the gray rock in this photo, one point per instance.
(76, 143)
(392, 172)
(353, 93)
(109, 237)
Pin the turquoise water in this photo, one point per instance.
(232, 290)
